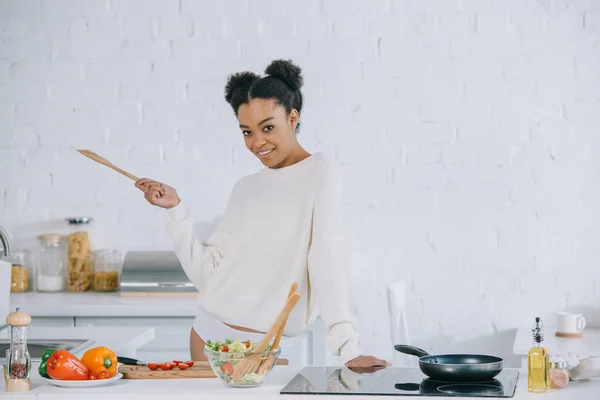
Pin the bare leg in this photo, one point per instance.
(196, 347)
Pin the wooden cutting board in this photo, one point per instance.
(198, 370)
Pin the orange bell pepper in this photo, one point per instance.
(63, 365)
(101, 362)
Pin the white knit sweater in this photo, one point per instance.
(280, 226)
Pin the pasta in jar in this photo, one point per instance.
(107, 266)
(19, 276)
(79, 267)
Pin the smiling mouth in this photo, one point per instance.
(264, 153)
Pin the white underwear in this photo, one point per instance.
(210, 328)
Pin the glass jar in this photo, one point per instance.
(20, 275)
(79, 251)
(51, 263)
(559, 375)
(108, 265)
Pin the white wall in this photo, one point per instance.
(468, 132)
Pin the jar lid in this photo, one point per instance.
(50, 237)
(79, 220)
(558, 364)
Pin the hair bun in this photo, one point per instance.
(286, 71)
(241, 80)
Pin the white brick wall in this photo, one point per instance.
(467, 131)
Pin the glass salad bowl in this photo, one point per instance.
(224, 356)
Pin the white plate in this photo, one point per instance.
(84, 384)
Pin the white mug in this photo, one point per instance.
(567, 322)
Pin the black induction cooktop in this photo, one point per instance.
(395, 381)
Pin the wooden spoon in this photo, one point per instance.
(268, 362)
(104, 161)
(252, 361)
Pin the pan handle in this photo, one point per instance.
(411, 350)
(407, 386)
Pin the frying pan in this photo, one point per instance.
(455, 367)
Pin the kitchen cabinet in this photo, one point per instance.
(171, 317)
(317, 343)
(65, 322)
(171, 334)
(172, 338)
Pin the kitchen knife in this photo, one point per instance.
(131, 361)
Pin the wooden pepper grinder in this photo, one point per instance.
(18, 361)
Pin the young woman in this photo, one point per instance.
(281, 225)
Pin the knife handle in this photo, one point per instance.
(130, 361)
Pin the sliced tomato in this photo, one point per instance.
(153, 367)
(189, 363)
(182, 366)
(227, 369)
(225, 349)
(176, 362)
(165, 366)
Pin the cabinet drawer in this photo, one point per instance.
(53, 321)
(170, 333)
(162, 356)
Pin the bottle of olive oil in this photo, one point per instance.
(538, 361)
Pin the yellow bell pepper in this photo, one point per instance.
(101, 362)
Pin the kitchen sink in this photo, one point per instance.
(36, 347)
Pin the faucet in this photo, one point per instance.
(6, 251)
(5, 241)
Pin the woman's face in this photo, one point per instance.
(269, 132)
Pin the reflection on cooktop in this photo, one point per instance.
(470, 388)
(395, 381)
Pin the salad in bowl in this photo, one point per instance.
(223, 356)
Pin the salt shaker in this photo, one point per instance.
(18, 361)
(559, 376)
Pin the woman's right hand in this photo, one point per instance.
(157, 193)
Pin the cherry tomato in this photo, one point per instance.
(182, 366)
(225, 349)
(247, 344)
(227, 369)
(153, 367)
(189, 363)
(165, 366)
(176, 362)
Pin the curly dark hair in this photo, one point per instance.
(282, 82)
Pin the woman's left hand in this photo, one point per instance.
(367, 362)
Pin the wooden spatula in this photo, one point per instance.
(251, 362)
(104, 161)
(268, 362)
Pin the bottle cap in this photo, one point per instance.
(538, 330)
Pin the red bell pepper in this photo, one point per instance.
(64, 366)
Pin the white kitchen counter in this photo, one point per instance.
(193, 389)
(92, 304)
